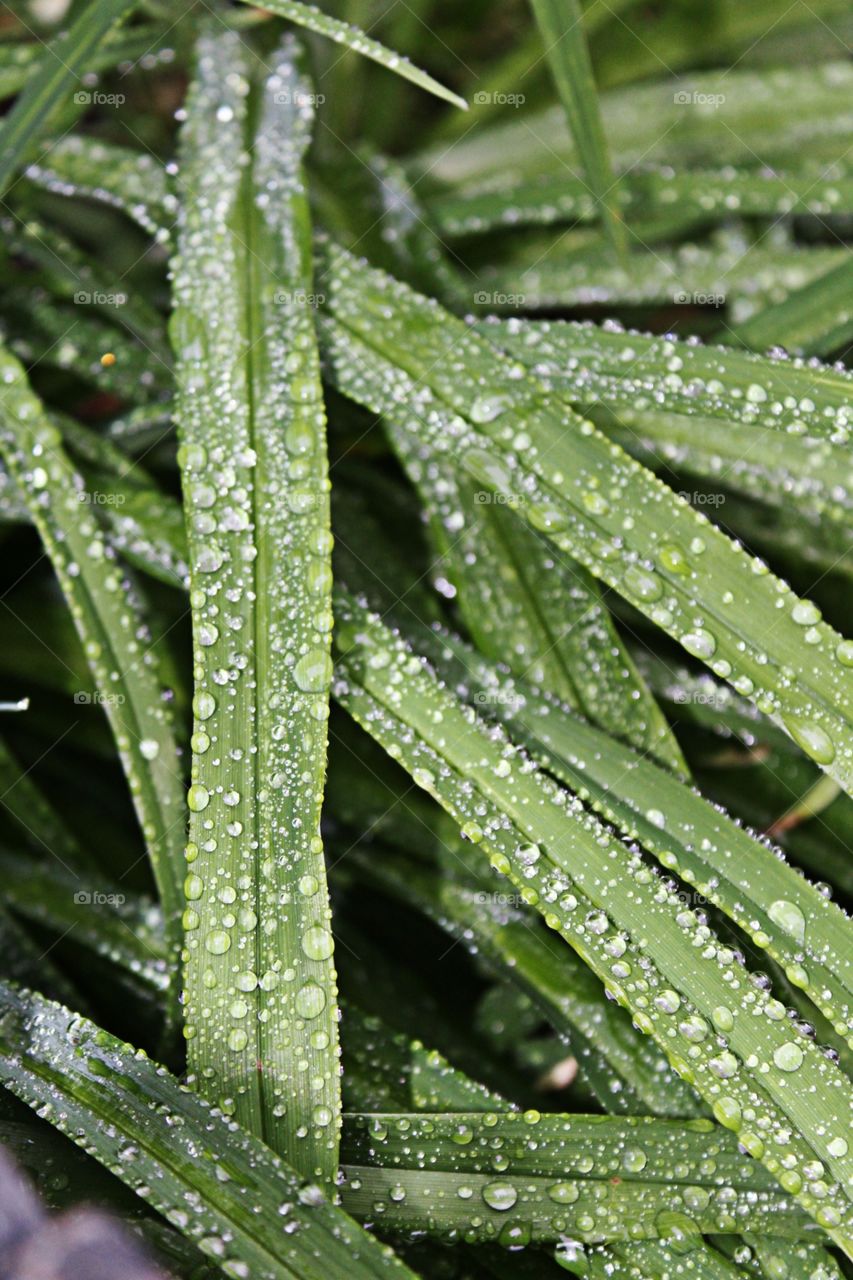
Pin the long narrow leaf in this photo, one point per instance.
(260, 981)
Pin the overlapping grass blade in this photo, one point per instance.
(218, 1185)
(109, 622)
(58, 74)
(314, 19)
(397, 352)
(260, 982)
(626, 1072)
(133, 181)
(568, 57)
(784, 915)
(588, 1177)
(705, 193)
(637, 371)
(530, 605)
(725, 1034)
(814, 320)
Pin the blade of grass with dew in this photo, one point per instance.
(60, 70)
(710, 194)
(431, 1168)
(221, 1187)
(397, 352)
(124, 930)
(132, 181)
(780, 113)
(653, 954)
(783, 914)
(624, 369)
(729, 269)
(816, 319)
(525, 603)
(626, 1072)
(254, 472)
(109, 623)
(567, 53)
(314, 19)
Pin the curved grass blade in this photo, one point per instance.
(402, 354)
(729, 269)
(60, 70)
(567, 53)
(588, 1177)
(779, 113)
(783, 914)
(525, 603)
(626, 1072)
(260, 1012)
(789, 1103)
(109, 623)
(314, 19)
(637, 371)
(132, 181)
(713, 194)
(222, 1188)
(814, 320)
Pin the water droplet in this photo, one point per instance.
(788, 1057)
(317, 943)
(218, 942)
(500, 1195)
(789, 917)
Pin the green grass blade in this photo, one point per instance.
(783, 914)
(706, 194)
(58, 75)
(108, 622)
(637, 371)
(260, 980)
(438, 1171)
(398, 352)
(560, 22)
(625, 1071)
(789, 1104)
(814, 320)
(534, 608)
(314, 19)
(132, 181)
(218, 1185)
